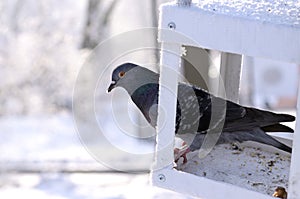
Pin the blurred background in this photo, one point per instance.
(43, 45)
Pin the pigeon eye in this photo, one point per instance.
(121, 74)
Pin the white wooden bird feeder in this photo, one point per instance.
(256, 28)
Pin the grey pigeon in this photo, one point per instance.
(199, 111)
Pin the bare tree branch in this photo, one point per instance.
(96, 23)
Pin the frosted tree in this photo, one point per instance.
(98, 14)
(39, 55)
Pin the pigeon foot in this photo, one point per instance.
(181, 153)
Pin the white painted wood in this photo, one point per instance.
(231, 30)
(170, 62)
(239, 34)
(230, 72)
(203, 188)
(294, 181)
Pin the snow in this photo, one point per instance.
(251, 166)
(39, 138)
(81, 186)
(279, 12)
(49, 138)
(42, 157)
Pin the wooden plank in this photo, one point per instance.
(170, 62)
(294, 181)
(201, 187)
(231, 33)
(230, 75)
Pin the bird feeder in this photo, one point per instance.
(239, 28)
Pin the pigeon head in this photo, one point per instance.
(131, 77)
(119, 73)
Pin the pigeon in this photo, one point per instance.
(199, 112)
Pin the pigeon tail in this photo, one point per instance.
(255, 135)
(277, 128)
(266, 120)
(258, 135)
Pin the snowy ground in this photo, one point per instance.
(80, 186)
(42, 157)
(253, 168)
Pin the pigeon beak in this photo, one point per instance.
(111, 86)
